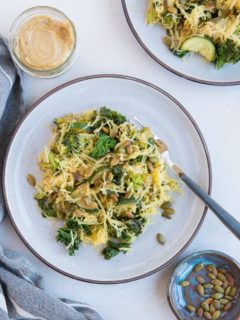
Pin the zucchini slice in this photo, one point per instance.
(200, 45)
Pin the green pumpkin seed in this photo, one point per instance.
(223, 301)
(31, 180)
(214, 270)
(228, 297)
(225, 284)
(207, 315)
(233, 292)
(161, 239)
(211, 276)
(184, 283)
(228, 306)
(200, 290)
(200, 312)
(190, 308)
(209, 268)
(217, 282)
(200, 279)
(222, 270)
(230, 279)
(221, 276)
(227, 291)
(166, 204)
(216, 315)
(212, 309)
(219, 289)
(205, 306)
(169, 211)
(208, 286)
(165, 215)
(198, 267)
(208, 300)
(217, 304)
(217, 296)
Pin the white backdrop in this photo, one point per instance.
(108, 46)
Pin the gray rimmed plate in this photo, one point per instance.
(193, 68)
(133, 97)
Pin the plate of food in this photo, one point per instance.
(88, 191)
(197, 40)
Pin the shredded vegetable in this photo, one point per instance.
(103, 178)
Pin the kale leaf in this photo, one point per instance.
(73, 224)
(117, 175)
(46, 208)
(69, 238)
(228, 52)
(104, 145)
(114, 248)
(116, 117)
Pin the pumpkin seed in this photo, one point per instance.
(222, 270)
(200, 279)
(230, 279)
(169, 211)
(105, 130)
(150, 166)
(205, 306)
(219, 289)
(31, 180)
(207, 315)
(217, 304)
(228, 306)
(228, 297)
(129, 215)
(217, 296)
(166, 204)
(161, 240)
(172, 9)
(190, 308)
(227, 291)
(217, 282)
(129, 149)
(114, 132)
(184, 283)
(114, 161)
(165, 215)
(209, 268)
(200, 290)
(211, 276)
(208, 286)
(208, 300)
(128, 195)
(216, 315)
(225, 284)
(200, 312)
(110, 176)
(113, 197)
(221, 276)
(198, 267)
(233, 292)
(212, 309)
(214, 270)
(223, 301)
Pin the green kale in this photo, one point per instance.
(116, 117)
(69, 238)
(73, 224)
(81, 125)
(228, 52)
(104, 145)
(46, 208)
(71, 141)
(114, 248)
(117, 175)
(136, 160)
(136, 226)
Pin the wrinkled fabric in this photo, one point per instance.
(11, 106)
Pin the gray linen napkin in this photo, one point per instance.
(21, 296)
(11, 105)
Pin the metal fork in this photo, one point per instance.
(230, 222)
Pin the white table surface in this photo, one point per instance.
(108, 46)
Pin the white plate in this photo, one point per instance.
(132, 97)
(193, 67)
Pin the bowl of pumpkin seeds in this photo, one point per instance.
(206, 285)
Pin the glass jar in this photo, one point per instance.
(54, 15)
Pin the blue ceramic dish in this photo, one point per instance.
(179, 296)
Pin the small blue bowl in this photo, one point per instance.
(179, 296)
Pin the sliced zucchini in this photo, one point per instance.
(200, 45)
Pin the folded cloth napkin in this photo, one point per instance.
(11, 105)
(21, 296)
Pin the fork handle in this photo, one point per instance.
(229, 221)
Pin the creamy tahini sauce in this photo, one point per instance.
(44, 43)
